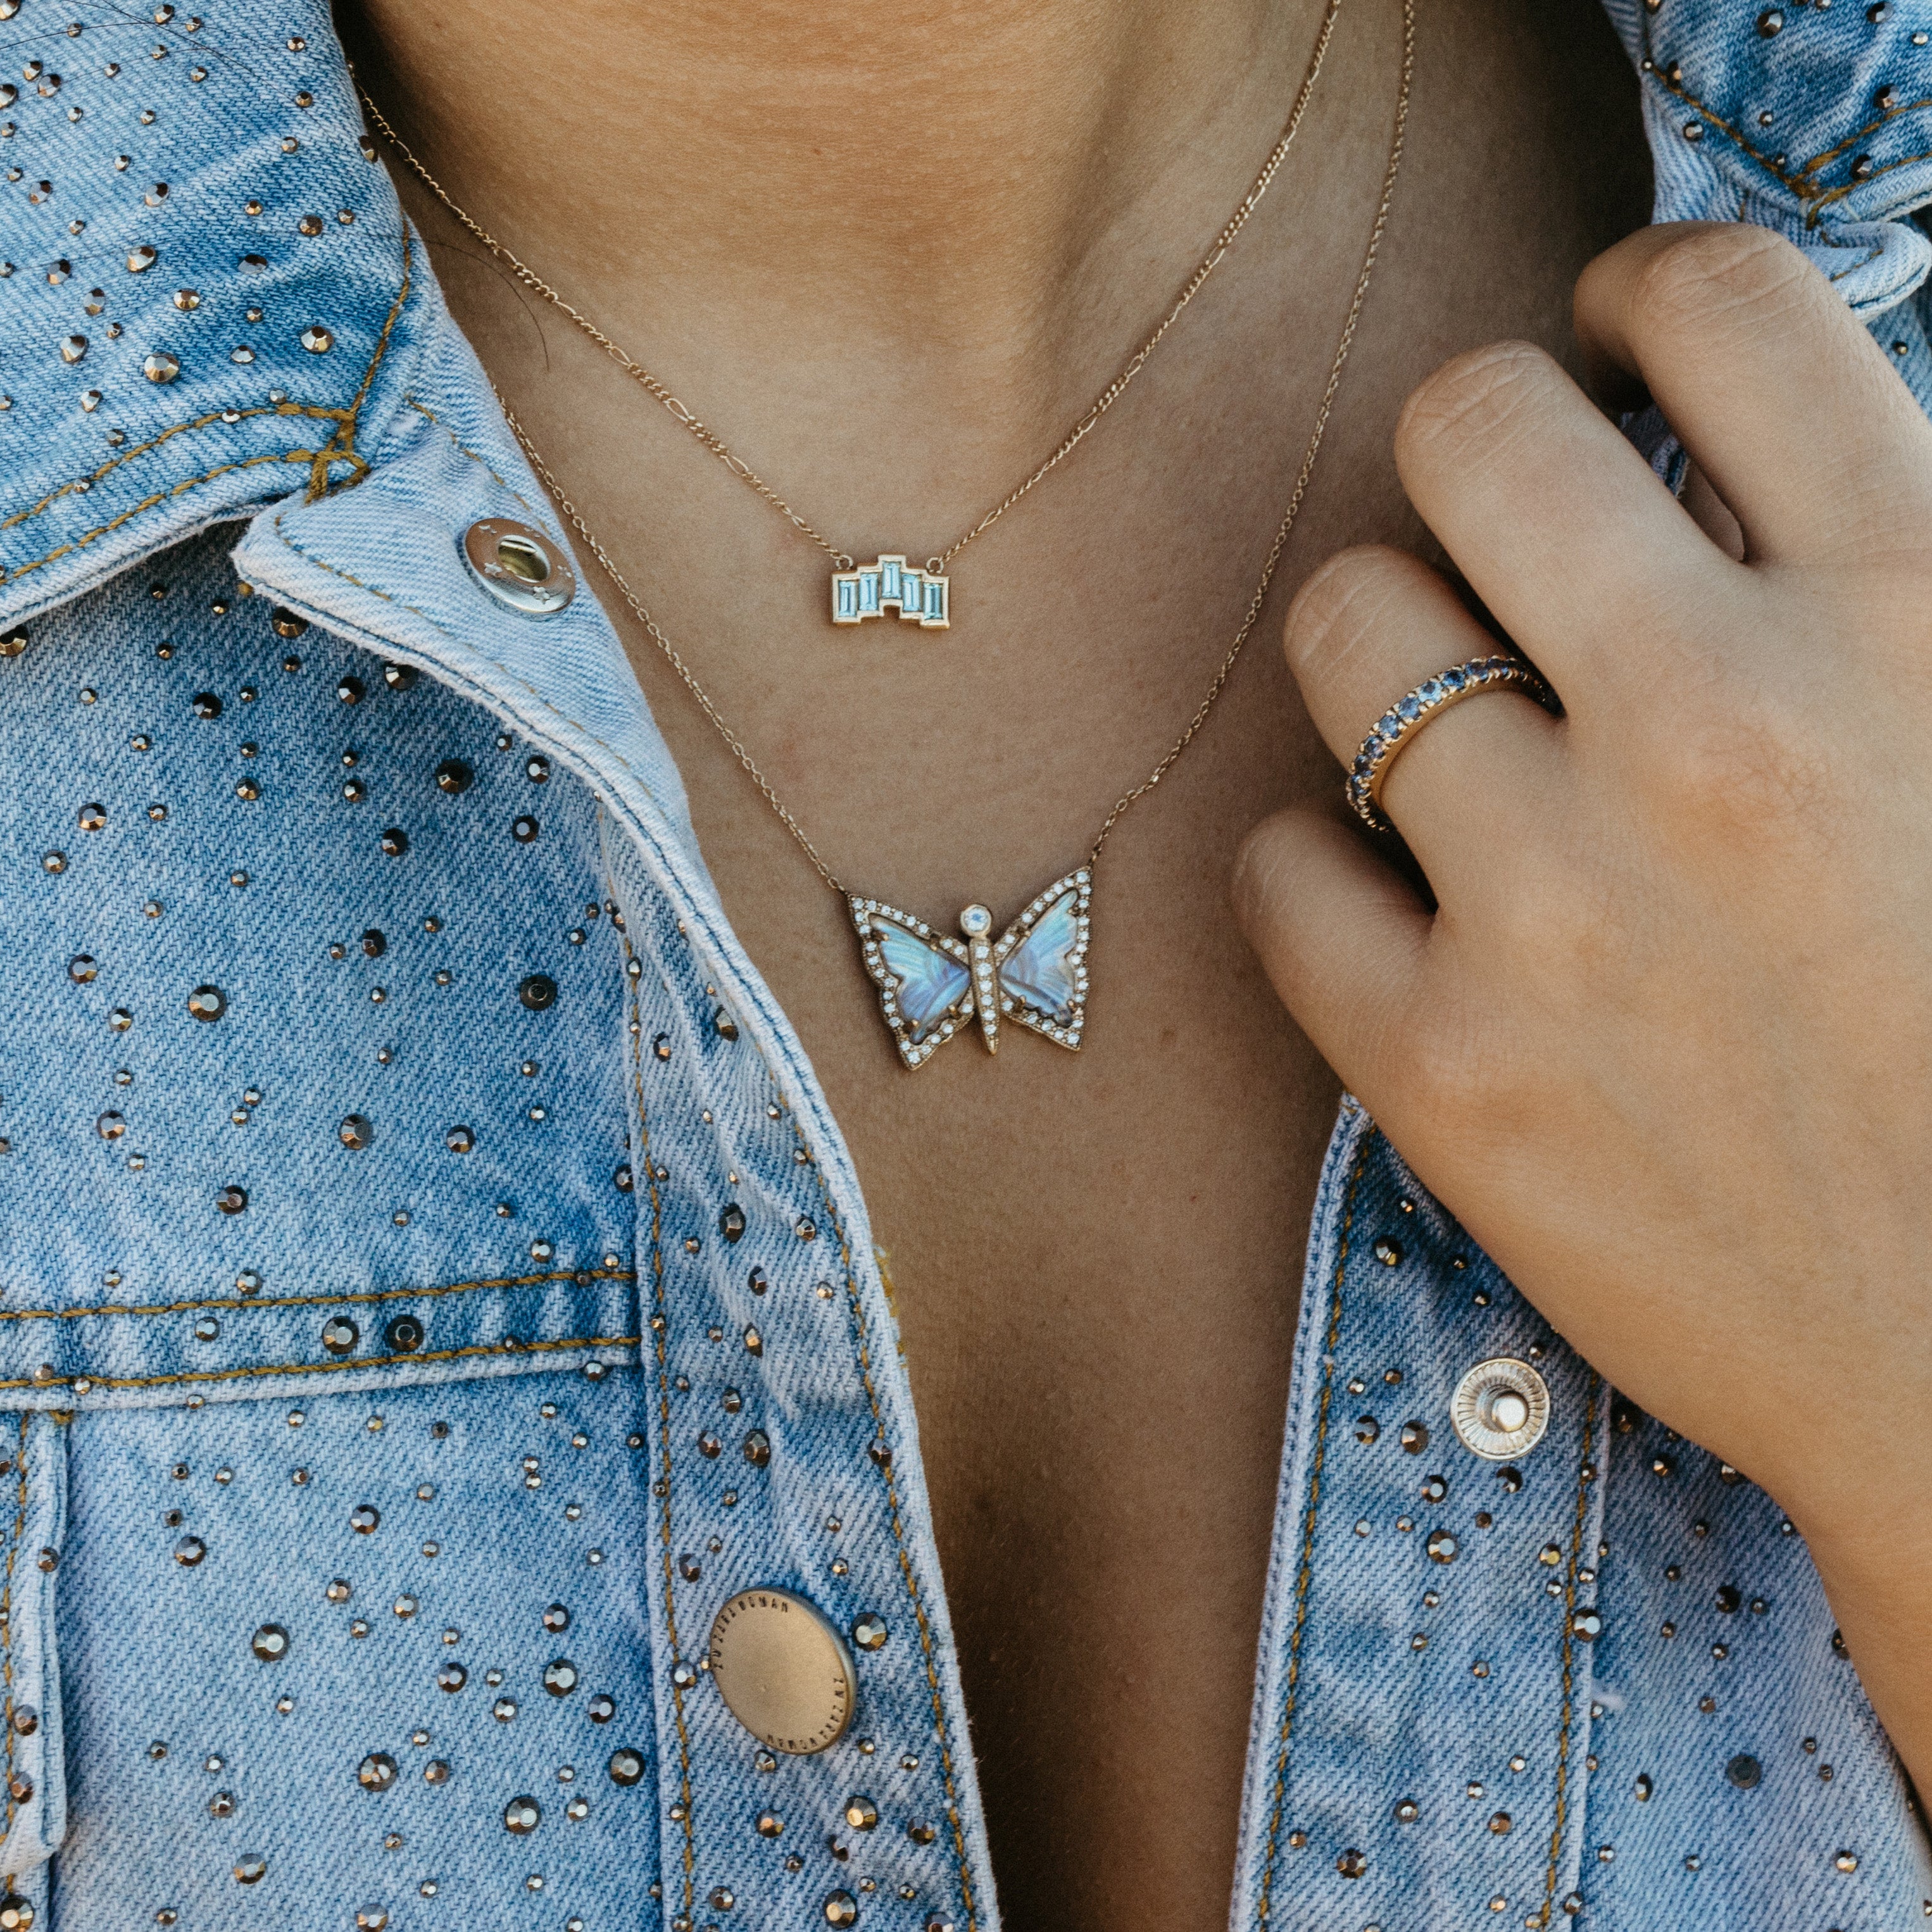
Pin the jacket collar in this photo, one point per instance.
(210, 298)
(358, 440)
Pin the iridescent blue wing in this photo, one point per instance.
(926, 992)
(929, 983)
(1042, 962)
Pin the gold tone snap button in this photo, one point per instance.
(1501, 1409)
(783, 1670)
(519, 566)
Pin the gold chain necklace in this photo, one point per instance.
(920, 594)
(932, 986)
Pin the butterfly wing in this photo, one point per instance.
(929, 983)
(925, 992)
(1042, 962)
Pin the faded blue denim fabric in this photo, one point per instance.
(1620, 1698)
(741, 1336)
(362, 872)
(1812, 121)
(375, 1623)
(287, 1486)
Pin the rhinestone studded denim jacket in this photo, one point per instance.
(432, 1287)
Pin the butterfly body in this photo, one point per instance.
(931, 985)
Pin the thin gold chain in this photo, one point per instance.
(1285, 527)
(677, 663)
(742, 470)
(1225, 670)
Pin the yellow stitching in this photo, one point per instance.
(1814, 200)
(504, 1348)
(319, 483)
(1716, 120)
(314, 411)
(1857, 134)
(1825, 200)
(1585, 1475)
(1305, 1575)
(180, 489)
(1871, 254)
(659, 1329)
(899, 1538)
(6, 1616)
(344, 442)
(319, 1301)
(340, 447)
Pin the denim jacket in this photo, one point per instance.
(440, 1334)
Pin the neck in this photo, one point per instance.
(981, 197)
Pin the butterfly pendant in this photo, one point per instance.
(930, 984)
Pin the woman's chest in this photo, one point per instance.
(1097, 1256)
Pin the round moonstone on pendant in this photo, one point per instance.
(976, 922)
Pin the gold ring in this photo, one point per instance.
(1404, 717)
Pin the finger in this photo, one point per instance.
(1711, 514)
(1775, 387)
(1562, 528)
(1373, 624)
(1342, 936)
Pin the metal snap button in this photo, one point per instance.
(519, 566)
(783, 1670)
(1501, 1409)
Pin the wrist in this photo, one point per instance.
(1876, 1565)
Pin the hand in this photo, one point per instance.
(1663, 1040)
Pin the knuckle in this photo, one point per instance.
(1730, 272)
(1473, 398)
(1454, 1071)
(1751, 769)
(1338, 607)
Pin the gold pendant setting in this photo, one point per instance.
(932, 985)
(921, 597)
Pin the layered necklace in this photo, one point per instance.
(1033, 973)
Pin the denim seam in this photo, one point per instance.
(863, 1350)
(1824, 201)
(312, 412)
(1304, 1576)
(457, 443)
(661, 1348)
(1586, 1473)
(1871, 254)
(503, 1348)
(415, 609)
(1798, 184)
(319, 479)
(579, 1277)
(180, 489)
(1857, 134)
(6, 1616)
(340, 447)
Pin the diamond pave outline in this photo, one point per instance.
(982, 956)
